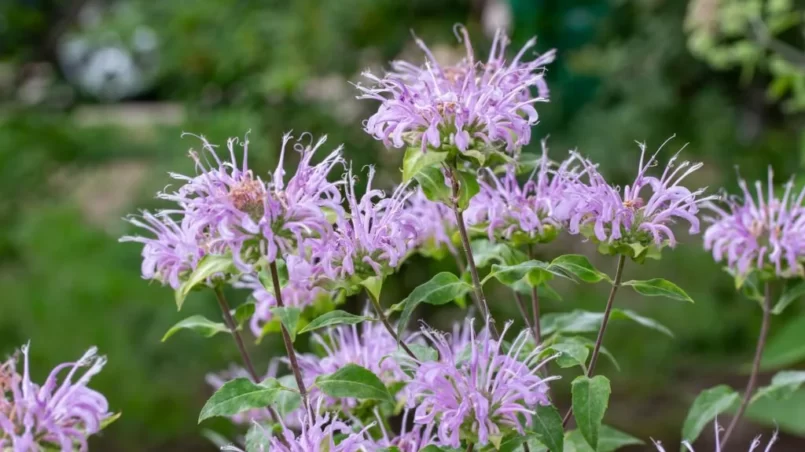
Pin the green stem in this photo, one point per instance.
(607, 313)
(286, 339)
(465, 241)
(535, 305)
(389, 327)
(244, 354)
(750, 385)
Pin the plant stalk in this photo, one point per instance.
(750, 385)
(535, 306)
(465, 241)
(389, 326)
(600, 339)
(286, 339)
(244, 354)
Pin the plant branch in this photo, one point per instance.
(244, 354)
(465, 241)
(388, 325)
(286, 339)
(535, 306)
(521, 306)
(750, 385)
(607, 313)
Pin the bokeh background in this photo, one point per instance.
(94, 97)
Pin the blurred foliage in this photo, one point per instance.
(70, 168)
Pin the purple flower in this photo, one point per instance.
(373, 239)
(767, 233)
(227, 208)
(485, 391)
(411, 438)
(174, 250)
(464, 105)
(643, 211)
(53, 415)
(369, 347)
(435, 223)
(755, 443)
(325, 433)
(537, 209)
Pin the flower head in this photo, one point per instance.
(65, 415)
(226, 208)
(536, 209)
(643, 211)
(767, 233)
(324, 433)
(373, 239)
(464, 105)
(174, 250)
(485, 393)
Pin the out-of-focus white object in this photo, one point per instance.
(111, 54)
(497, 15)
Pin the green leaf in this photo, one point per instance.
(573, 353)
(258, 438)
(239, 395)
(786, 346)
(333, 318)
(609, 440)
(373, 285)
(590, 399)
(442, 288)
(785, 414)
(289, 317)
(485, 253)
(209, 266)
(591, 346)
(110, 420)
(547, 424)
(288, 401)
(423, 352)
(243, 313)
(468, 188)
(709, 404)
(789, 296)
(533, 272)
(578, 321)
(579, 266)
(659, 287)
(783, 385)
(433, 185)
(199, 324)
(354, 381)
(415, 160)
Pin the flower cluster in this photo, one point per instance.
(483, 392)
(466, 105)
(535, 210)
(763, 234)
(35, 418)
(643, 212)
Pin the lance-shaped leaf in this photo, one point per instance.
(415, 160)
(783, 385)
(533, 272)
(590, 398)
(243, 313)
(199, 324)
(441, 289)
(709, 404)
(334, 318)
(354, 381)
(289, 317)
(239, 395)
(579, 321)
(659, 287)
(209, 266)
(580, 267)
(547, 424)
(433, 185)
(789, 296)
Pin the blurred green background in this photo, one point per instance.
(94, 97)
